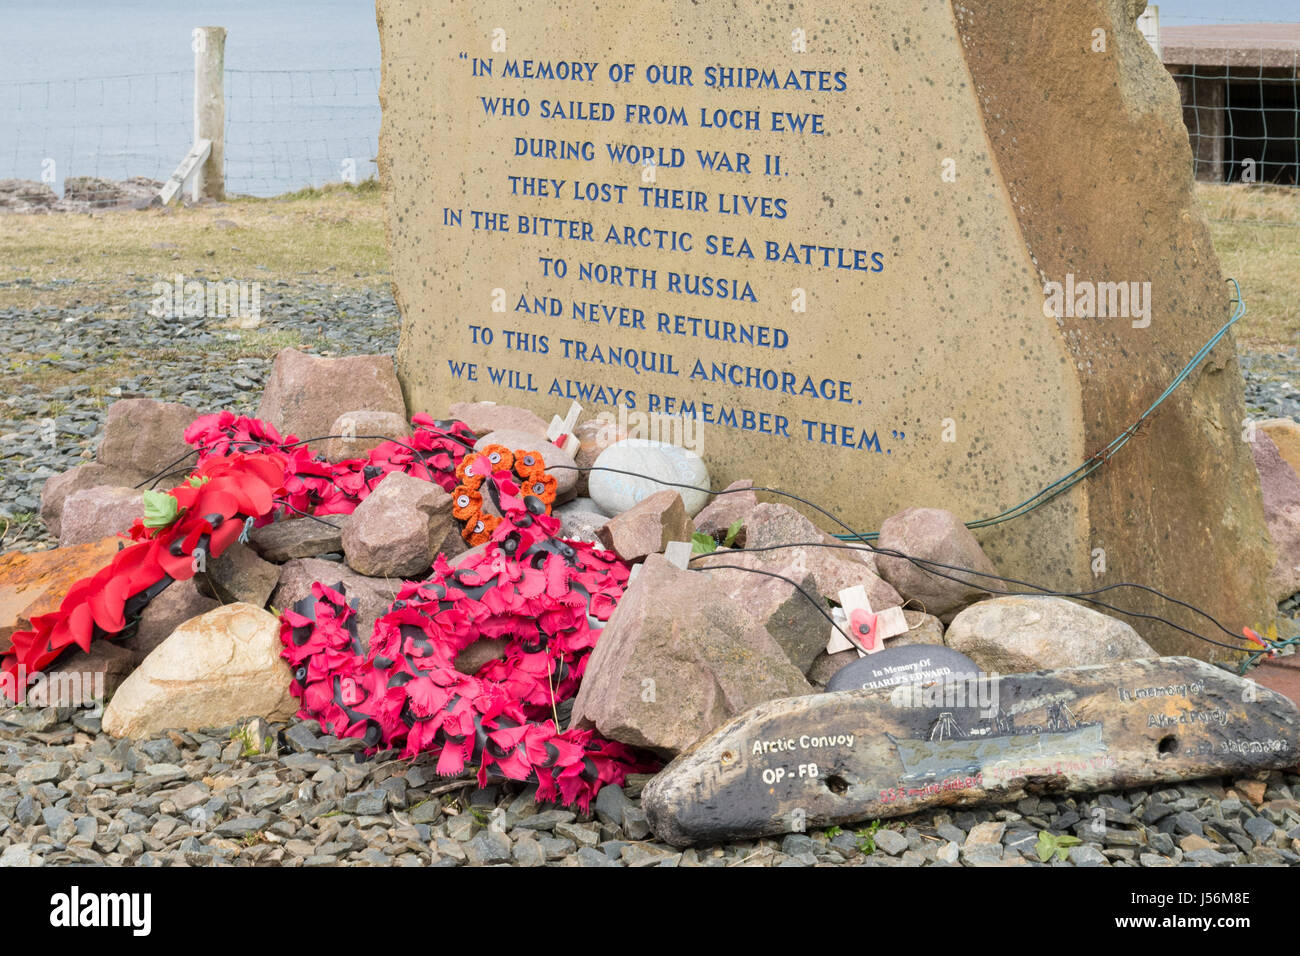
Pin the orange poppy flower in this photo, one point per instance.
(481, 530)
(529, 464)
(541, 486)
(500, 457)
(466, 503)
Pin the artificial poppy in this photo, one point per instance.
(466, 505)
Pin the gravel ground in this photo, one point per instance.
(71, 795)
(194, 361)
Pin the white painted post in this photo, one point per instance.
(1148, 22)
(209, 45)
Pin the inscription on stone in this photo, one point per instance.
(837, 758)
(800, 244)
(896, 666)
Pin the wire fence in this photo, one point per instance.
(285, 129)
(1240, 90)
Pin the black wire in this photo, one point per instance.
(815, 602)
(924, 564)
(307, 514)
(1038, 589)
(266, 442)
(710, 491)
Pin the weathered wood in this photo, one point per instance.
(835, 758)
(188, 167)
(210, 110)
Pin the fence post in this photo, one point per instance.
(209, 45)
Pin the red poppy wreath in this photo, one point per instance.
(547, 597)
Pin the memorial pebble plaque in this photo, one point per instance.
(836, 758)
(913, 664)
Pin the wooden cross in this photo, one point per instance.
(869, 629)
(560, 432)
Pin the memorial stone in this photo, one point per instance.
(836, 758)
(911, 253)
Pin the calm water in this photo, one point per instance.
(105, 88)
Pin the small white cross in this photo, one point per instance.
(888, 623)
(560, 431)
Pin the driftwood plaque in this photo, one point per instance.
(824, 759)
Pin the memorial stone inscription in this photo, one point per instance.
(784, 241)
(835, 758)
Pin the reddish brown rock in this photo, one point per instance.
(36, 583)
(566, 477)
(732, 504)
(58, 488)
(481, 652)
(1285, 434)
(240, 576)
(795, 546)
(292, 538)
(97, 513)
(80, 679)
(304, 394)
(1280, 488)
(934, 535)
(677, 658)
(783, 605)
(486, 417)
(400, 527)
(773, 523)
(141, 434)
(647, 527)
(594, 436)
(180, 601)
(372, 595)
(363, 430)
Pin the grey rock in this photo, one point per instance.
(488, 848)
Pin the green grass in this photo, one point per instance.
(1256, 231)
(333, 235)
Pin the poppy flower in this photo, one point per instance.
(481, 530)
(467, 504)
(500, 456)
(540, 486)
(529, 464)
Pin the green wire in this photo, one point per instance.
(1069, 480)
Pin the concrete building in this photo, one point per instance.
(1241, 98)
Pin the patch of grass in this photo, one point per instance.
(1256, 232)
(262, 343)
(314, 236)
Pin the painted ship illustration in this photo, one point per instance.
(951, 750)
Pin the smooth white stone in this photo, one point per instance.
(651, 463)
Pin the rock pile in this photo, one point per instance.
(686, 649)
